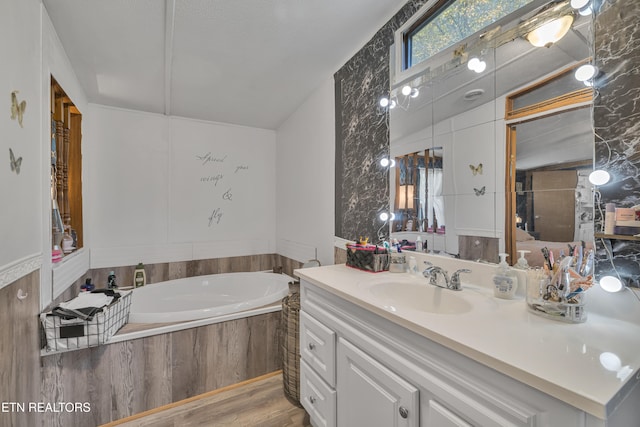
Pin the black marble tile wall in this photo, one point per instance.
(617, 127)
(362, 135)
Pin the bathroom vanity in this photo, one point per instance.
(392, 350)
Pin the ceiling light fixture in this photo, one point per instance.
(550, 32)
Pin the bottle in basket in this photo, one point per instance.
(139, 276)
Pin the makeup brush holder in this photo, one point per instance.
(545, 300)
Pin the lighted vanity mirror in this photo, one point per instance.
(462, 113)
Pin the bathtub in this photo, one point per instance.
(202, 297)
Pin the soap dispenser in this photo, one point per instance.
(505, 280)
(522, 263)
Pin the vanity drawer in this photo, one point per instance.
(317, 397)
(318, 347)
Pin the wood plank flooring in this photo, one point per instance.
(256, 402)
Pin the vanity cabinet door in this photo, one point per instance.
(371, 395)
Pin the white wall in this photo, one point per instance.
(20, 227)
(31, 53)
(305, 179)
(155, 182)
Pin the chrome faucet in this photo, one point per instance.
(455, 279)
(432, 273)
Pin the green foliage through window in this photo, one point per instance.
(455, 21)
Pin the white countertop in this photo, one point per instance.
(584, 365)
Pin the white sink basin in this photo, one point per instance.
(419, 296)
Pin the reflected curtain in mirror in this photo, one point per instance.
(419, 203)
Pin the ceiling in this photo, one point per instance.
(246, 62)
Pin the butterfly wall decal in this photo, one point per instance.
(479, 192)
(476, 170)
(17, 108)
(15, 163)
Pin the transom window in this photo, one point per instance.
(450, 21)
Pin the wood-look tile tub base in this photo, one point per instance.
(125, 378)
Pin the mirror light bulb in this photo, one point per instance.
(392, 104)
(473, 63)
(406, 90)
(384, 216)
(387, 162)
(585, 72)
(384, 102)
(476, 65)
(579, 4)
(611, 284)
(415, 93)
(599, 177)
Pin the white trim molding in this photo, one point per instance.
(18, 269)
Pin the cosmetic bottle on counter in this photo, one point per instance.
(505, 280)
(609, 218)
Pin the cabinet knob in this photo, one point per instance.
(311, 346)
(312, 399)
(404, 412)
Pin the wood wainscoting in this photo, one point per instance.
(125, 378)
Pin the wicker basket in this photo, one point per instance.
(291, 344)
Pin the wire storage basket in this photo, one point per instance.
(291, 346)
(64, 334)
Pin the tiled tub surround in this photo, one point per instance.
(616, 118)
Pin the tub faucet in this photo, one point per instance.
(455, 279)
